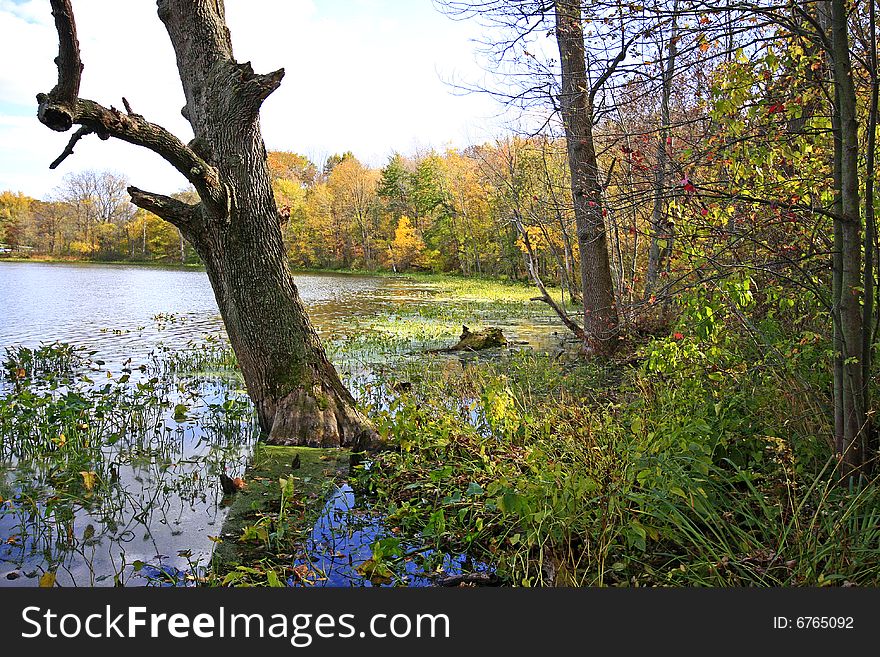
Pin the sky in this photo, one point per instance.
(370, 76)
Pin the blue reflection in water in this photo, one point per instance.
(342, 541)
(167, 576)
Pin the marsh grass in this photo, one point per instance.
(46, 361)
(90, 457)
(577, 474)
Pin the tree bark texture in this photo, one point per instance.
(235, 228)
(851, 418)
(600, 312)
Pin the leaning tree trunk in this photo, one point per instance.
(235, 228)
(600, 312)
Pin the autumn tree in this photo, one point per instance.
(353, 187)
(322, 243)
(234, 226)
(467, 202)
(781, 183)
(284, 165)
(14, 213)
(100, 204)
(395, 187)
(661, 227)
(407, 245)
(579, 96)
(48, 227)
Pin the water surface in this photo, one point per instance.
(166, 507)
(122, 310)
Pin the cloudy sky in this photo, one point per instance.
(370, 76)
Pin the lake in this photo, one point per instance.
(117, 309)
(149, 495)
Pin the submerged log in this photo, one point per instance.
(469, 340)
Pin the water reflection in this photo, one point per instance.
(91, 512)
(340, 551)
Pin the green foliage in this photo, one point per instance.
(395, 188)
(14, 212)
(48, 360)
(69, 432)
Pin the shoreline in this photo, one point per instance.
(409, 275)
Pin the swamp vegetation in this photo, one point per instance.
(687, 459)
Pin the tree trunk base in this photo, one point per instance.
(319, 417)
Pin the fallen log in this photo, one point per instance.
(469, 340)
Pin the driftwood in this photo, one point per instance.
(469, 340)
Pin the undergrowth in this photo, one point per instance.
(698, 458)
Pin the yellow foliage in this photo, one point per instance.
(80, 248)
(289, 193)
(407, 246)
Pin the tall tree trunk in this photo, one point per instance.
(661, 229)
(870, 241)
(235, 227)
(297, 392)
(851, 430)
(600, 312)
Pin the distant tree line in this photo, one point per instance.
(89, 217)
(457, 211)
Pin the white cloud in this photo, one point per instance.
(362, 76)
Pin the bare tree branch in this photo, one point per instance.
(570, 324)
(68, 60)
(179, 214)
(61, 108)
(612, 67)
(79, 134)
